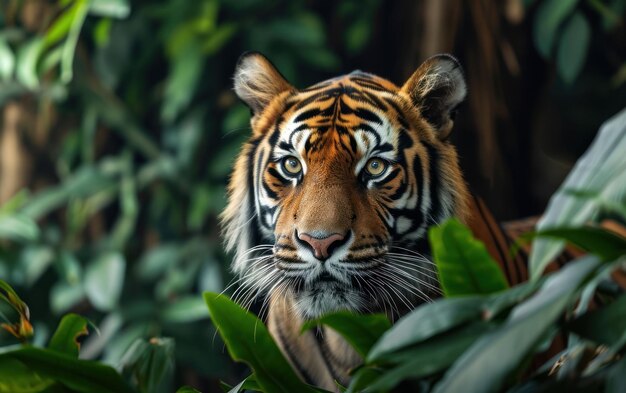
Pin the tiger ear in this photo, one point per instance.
(257, 81)
(436, 89)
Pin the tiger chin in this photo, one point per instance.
(331, 198)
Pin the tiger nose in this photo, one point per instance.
(321, 245)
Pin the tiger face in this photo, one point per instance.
(331, 198)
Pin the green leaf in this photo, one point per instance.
(63, 296)
(601, 172)
(182, 82)
(65, 338)
(27, 57)
(550, 15)
(34, 261)
(69, 47)
(104, 279)
(102, 32)
(249, 341)
(157, 260)
(61, 25)
(7, 60)
(616, 380)
(149, 361)
(361, 331)
(16, 377)
(18, 227)
(22, 330)
(363, 377)
(425, 322)
(465, 267)
(185, 309)
(489, 361)
(187, 389)
(573, 47)
(429, 357)
(218, 38)
(247, 384)
(604, 326)
(357, 35)
(78, 375)
(15, 202)
(601, 242)
(84, 182)
(119, 9)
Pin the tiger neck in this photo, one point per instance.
(320, 356)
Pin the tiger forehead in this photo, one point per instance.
(343, 105)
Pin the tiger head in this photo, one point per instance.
(331, 198)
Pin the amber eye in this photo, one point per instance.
(375, 167)
(291, 165)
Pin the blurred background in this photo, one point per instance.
(118, 129)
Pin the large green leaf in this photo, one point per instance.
(489, 361)
(573, 46)
(361, 331)
(65, 338)
(249, 341)
(598, 241)
(429, 357)
(604, 326)
(465, 267)
(425, 322)
(79, 375)
(16, 377)
(598, 178)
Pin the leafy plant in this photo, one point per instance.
(25, 368)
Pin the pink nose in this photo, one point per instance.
(320, 245)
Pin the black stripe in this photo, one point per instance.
(286, 348)
(326, 356)
(433, 160)
(368, 115)
(255, 237)
(401, 119)
(307, 115)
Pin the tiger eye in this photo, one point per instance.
(292, 165)
(375, 166)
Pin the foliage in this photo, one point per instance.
(585, 195)
(562, 30)
(483, 335)
(57, 367)
(140, 127)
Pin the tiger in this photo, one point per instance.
(331, 198)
